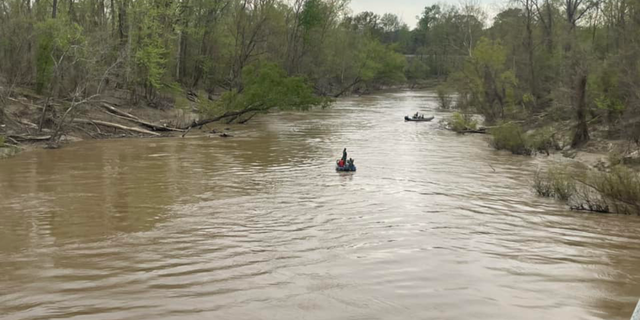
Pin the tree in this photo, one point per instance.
(266, 86)
(486, 80)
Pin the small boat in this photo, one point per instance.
(346, 168)
(351, 168)
(407, 118)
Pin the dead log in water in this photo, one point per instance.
(127, 116)
(117, 126)
(17, 137)
(479, 131)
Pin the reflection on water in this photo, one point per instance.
(260, 226)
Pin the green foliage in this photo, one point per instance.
(445, 100)
(461, 122)
(487, 81)
(267, 86)
(617, 190)
(55, 40)
(416, 70)
(543, 140)
(620, 187)
(556, 182)
(381, 64)
(150, 55)
(312, 14)
(604, 88)
(511, 137)
(2, 139)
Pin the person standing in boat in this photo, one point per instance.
(344, 155)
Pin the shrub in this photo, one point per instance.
(543, 140)
(563, 185)
(541, 185)
(620, 187)
(556, 182)
(445, 100)
(2, 141)
(461, 122)
(510, 136)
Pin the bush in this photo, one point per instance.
(445, 100)
(556, 182)
(510, 136)
(620, 187)
(461, 122)
(543, 140)
(541, 185)
(615, 191)
(2, 139)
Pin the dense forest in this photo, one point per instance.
(566, 60)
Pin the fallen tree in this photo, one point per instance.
(228, 114)
(127, 116)
(117, 126)
(19, 137)
(266, 87)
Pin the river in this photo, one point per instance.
(260, 226)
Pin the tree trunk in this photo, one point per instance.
(122, 21)
(114, 27)
(72, 14)
(179, 60)
(117, 126)
(549, 40)
(530, 50)
(54, 13)
(582, 129)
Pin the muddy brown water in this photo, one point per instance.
(260, 226)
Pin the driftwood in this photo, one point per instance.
(117, 126)
(247, 119)
(28, 138)
(186, 132)
(479, 130)
(127, 116)
(229, 114)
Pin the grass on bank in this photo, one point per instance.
(556, 183)
(617, 190)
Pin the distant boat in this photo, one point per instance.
(420, 119)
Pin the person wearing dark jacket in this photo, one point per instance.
(344, 155)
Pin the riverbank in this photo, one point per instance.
(25, 124)
(600, 175)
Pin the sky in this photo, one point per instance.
(407, 10)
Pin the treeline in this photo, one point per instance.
(570, 60)
(155, 48)
(573, 60)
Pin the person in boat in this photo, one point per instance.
(415, 116)
(344, 155)
(350, 163)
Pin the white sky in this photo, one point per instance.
(407, 10)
